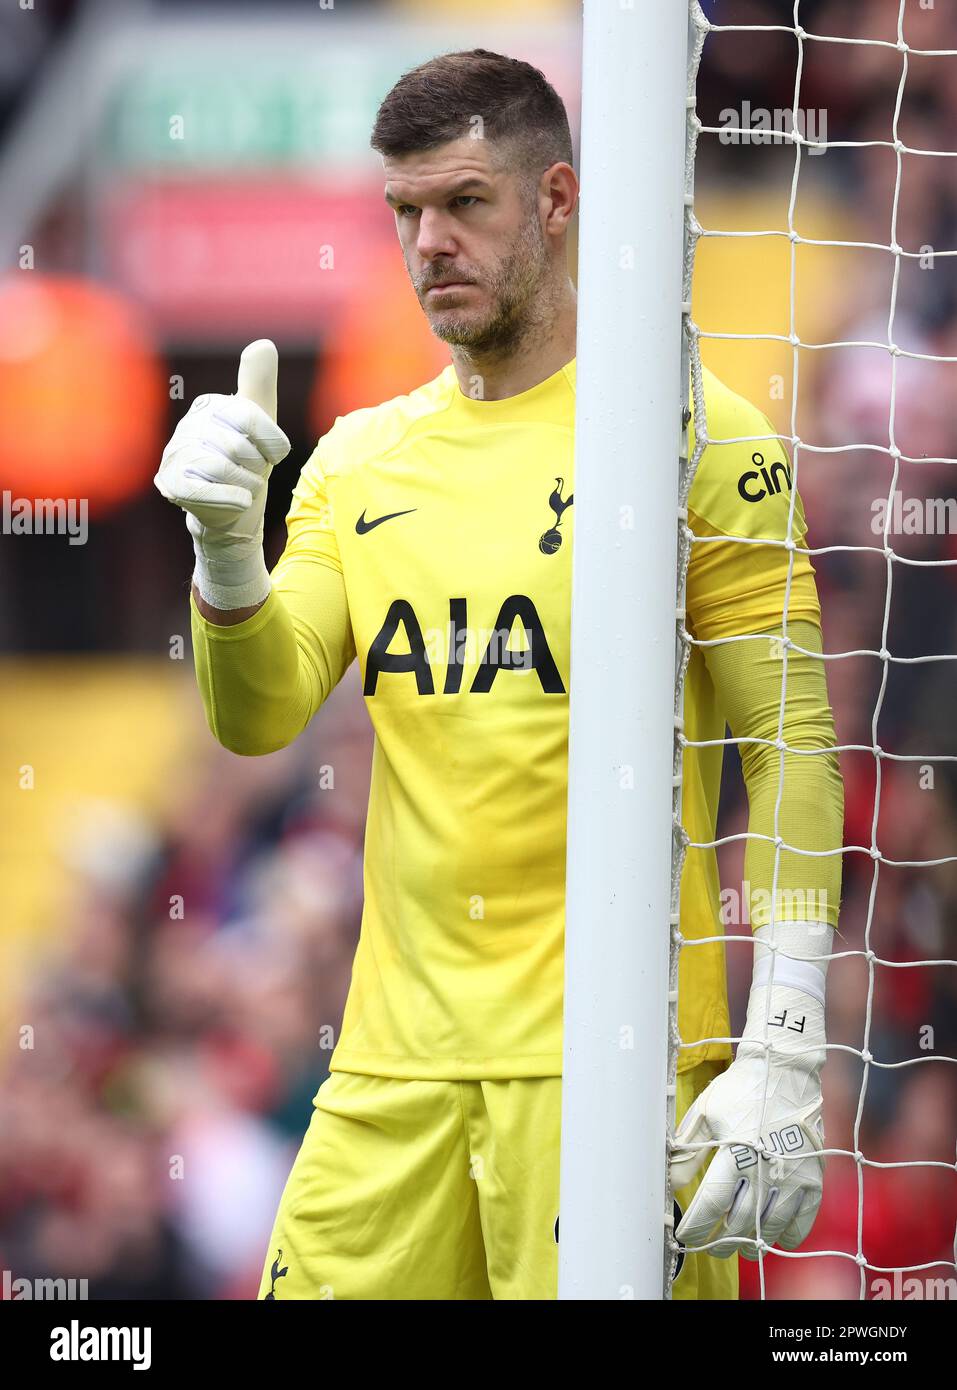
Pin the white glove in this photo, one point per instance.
(775, 1096)
(216, 467)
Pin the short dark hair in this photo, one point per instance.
(438, 101)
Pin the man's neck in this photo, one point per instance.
(543, 352)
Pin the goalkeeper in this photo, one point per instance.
(430, 537)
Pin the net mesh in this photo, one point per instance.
(861, 944)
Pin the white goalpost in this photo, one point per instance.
(621, 739)
(638, 343)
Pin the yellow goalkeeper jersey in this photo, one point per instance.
(448, 522)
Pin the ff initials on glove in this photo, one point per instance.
(762, 1102)
(216, 467)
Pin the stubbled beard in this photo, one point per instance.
(517, 303)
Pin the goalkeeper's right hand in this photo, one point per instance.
(216, 467)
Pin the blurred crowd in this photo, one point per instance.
(171, 1045)
(169, 1050)
(907, 807)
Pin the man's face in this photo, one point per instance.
(472, 243)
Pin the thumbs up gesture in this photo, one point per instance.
(216, 467)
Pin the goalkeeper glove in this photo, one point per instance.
(764, 1113)
(216, 467)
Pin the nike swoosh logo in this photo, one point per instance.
(362, 526)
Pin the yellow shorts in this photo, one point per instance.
(439, 1190)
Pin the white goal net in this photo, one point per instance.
(821, 284)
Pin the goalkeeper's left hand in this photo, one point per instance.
(764, 1102)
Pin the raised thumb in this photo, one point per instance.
(259, 374)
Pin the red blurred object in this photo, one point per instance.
(82, 392)
(241, 1069)
(908, 1222)
(225, 258)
